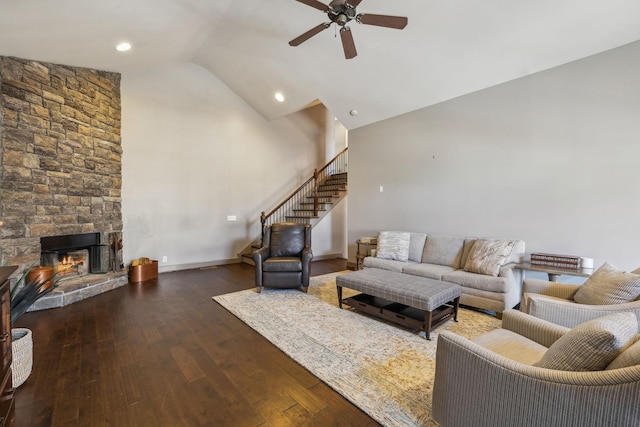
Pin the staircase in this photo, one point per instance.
(310, 202)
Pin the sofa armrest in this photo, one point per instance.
(541, 331)
(571, 314)
(469, 376)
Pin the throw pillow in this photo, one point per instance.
(488, 255)
(592, 345)
(393, 245)
(608, 285)
(629, 356)
(443, 250)
(468, 245)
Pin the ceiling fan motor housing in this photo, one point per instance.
(341, 13)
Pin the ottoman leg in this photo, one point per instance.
(427, 319)
(339, 288)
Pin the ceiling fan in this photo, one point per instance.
(342, 12)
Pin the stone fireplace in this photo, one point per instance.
(60, 159)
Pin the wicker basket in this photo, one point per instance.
(22, 352)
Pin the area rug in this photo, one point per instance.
(385, 370)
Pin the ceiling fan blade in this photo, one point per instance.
(347, 43)
(306, 36)
(397, 22)
(315, 3)
(354, 3)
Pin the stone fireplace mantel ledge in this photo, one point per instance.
(71, 290)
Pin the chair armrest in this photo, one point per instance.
(552, 289)
(474, 386)
(541, 331)
(544, 287)
(307, 256)
(259, 256)
(571, 314)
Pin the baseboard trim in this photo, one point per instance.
(327, 256)
(194, 265)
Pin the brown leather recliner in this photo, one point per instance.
(284, 259)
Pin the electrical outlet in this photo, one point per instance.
(165, 259)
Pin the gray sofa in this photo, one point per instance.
(446, 258)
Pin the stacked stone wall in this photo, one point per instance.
(60, 154)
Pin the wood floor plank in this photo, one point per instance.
(92, 412)
(187, 365)
(163, 353)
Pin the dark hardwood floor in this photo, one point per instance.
(163, 353)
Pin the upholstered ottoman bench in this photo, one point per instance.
(412, 301)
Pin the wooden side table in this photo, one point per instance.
(554, 273)
(364, 246)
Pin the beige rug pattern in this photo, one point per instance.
(385, 370)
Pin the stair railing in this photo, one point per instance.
(279, 214)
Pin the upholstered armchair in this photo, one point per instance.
(285, 257)
(556, 303)
(534, 373)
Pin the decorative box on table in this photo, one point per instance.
(140, 270)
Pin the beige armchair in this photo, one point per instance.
(553, 301)
(492, 381)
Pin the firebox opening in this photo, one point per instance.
(75, 254)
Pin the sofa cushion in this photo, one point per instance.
(608, 285)
(629, 356)
(432, 271)
(385, 264)
(512, 346)
(478, 281)
(284, 264)
(488, 255)
(592, 345)
(443, 250)
(416, 246)
(394, 245)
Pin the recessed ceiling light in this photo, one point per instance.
(123, 47)
(279, 97)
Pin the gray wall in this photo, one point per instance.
(551, 159)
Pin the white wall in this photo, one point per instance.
(330, 234)
(195, 153)
(551, 159)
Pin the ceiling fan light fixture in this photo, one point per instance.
(123, 47)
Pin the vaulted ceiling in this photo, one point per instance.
(448, 49)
